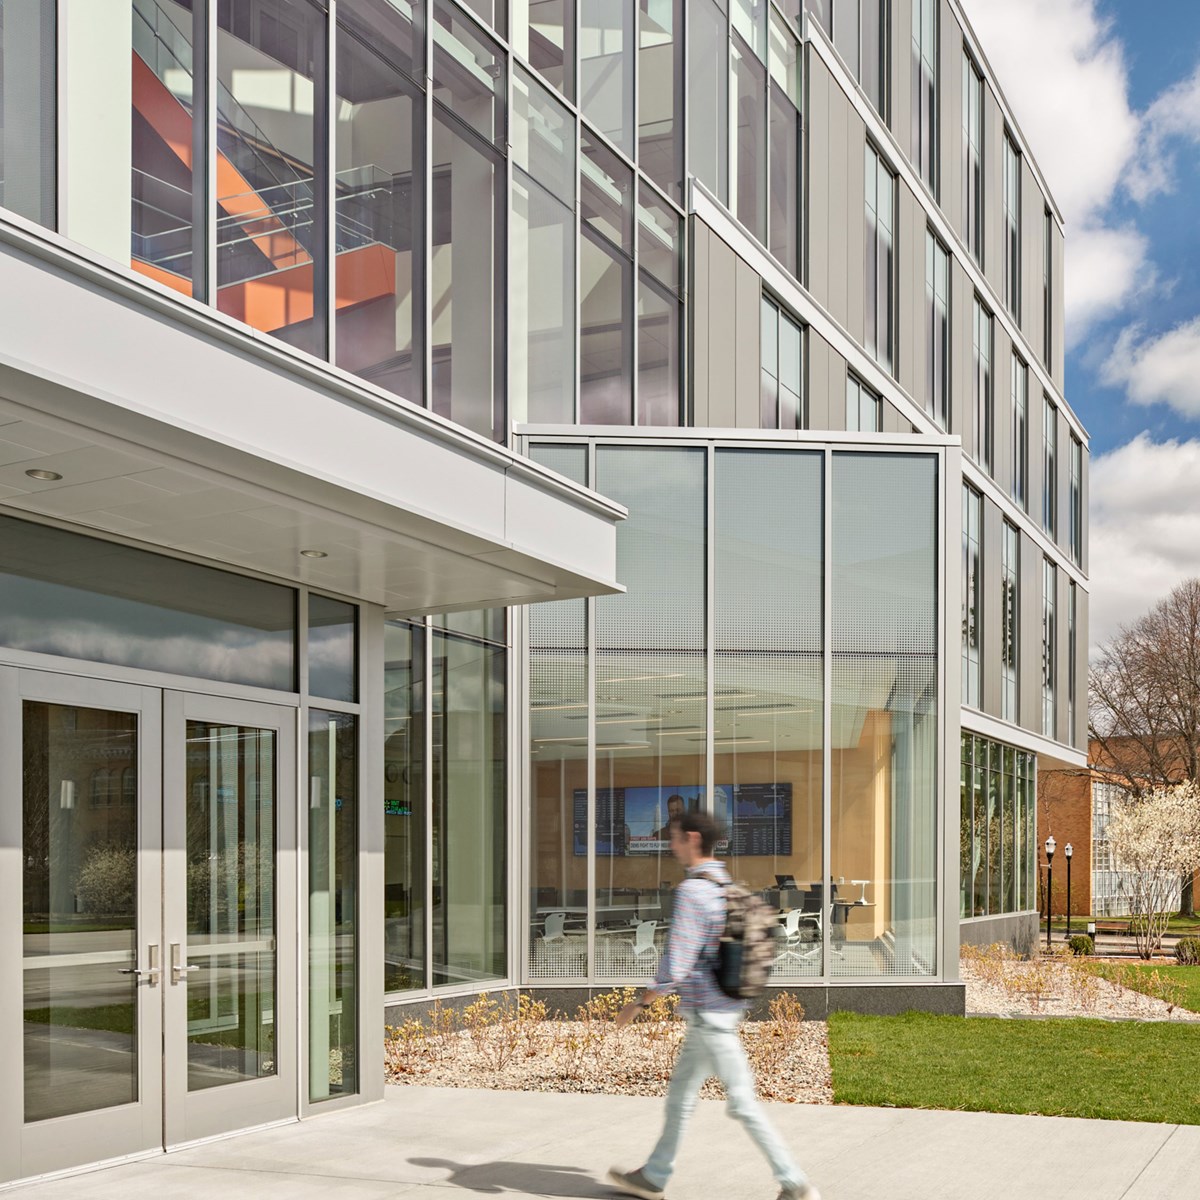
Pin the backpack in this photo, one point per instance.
(748, 946)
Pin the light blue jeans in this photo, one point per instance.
(711, 1046)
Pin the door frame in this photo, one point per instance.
(80, 1138)
(190, 1116)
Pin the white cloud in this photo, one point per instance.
(1174, 116)
(1161, 369)
(1145, 528)
(1063, 72)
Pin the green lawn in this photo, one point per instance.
(1186, 979)
(1176, 926)
(1121, 1071)
(114, 1018)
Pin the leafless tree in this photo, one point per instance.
(1144, 699)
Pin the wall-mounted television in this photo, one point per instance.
(633, 821)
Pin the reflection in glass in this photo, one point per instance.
(271, 211)
(332, 648)
(542, 310)
(162, 144)
(64, 593)
(404, 809)
(749, 129)
(231, 998)
(27, 110)
(607, 49)
(768, 688)
(660, 108)
(332, 904)
(784, 222)
(468, 72)
(79, 911)
(467, 278)
(543, 32)
(708, 96)
(880, 242)
(884, 609)
(489, 624)
(379, 198)
(469, 811)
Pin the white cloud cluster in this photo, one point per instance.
(1145, 528)
(1064, 75)
(1172, 118)
(1158, 369)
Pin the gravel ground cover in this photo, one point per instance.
(520, 1046)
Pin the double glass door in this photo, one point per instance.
(155, 965)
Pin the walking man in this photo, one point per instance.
(711, 1045)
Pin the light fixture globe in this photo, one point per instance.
(1051, 846)
(1067, 850)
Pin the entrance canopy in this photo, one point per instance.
(170, 425)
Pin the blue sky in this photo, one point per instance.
(1107, 92)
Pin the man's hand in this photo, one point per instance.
(632, 1009)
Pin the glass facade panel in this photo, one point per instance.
(380, 197)
(708, 95)
(1049, 648)
(493, 12)
(28, 112)
(749, 133)
(784, 136)
(660, 104)
(768, 687)
(983, 424)
(467, 278)
(332, 648)
(1072, 658)
(63, 593)
(972, 142)
(163, 143)
(332, 904)
(1048, 290)
(875, 64)
(488, 624)
(998, 809)
(864, 409)
(468, 72)
(937, 331)
(1010, 615)
(972, 599)
(79, 909)
(405, 822)
(231, 790)
(271, 211)
(542, 249)
(1012, 228)
(782, 350)
(1020, 432)
(925, 91)
(1049, 467)
(884, 556)
(1076, 500)
(543, 33)
(659, 312)
(607, 51)
(469, 827)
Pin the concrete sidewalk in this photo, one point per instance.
(434, 1143)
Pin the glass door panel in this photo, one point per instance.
(229, 912)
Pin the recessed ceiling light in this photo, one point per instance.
(38, 473)
(314, 553)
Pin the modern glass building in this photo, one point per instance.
(441, 440)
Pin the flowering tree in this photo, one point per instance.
(1155, 837)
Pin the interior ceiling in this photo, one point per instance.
(159, 501)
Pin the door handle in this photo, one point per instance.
(178, 970)
(151, 972)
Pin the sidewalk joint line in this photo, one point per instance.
(1149, 1161)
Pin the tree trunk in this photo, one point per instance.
(1187, 901)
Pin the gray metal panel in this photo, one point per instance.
(1002, 407)
(1029, 679)
(842, 222)
(893, 422)
(854, 226)
(1037, 407)
(962, 297)
(950, 52)
(821, 358)
(747, 351)
(993, 197)
(817, 123)
(698, 304)
(837, 391)
(1062, 658)
(1087, 487)
(1033, 210)
(1080, 731)
(1058, 332)
(902, 74)
(722, 333)
(989, 649)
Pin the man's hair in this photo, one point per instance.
(676, 796)
(699, 822)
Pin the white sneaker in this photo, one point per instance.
(635, 1183)
(805, 1191)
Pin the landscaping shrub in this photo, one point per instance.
(1082, 943)
(1187, 951)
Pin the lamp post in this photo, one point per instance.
(1051, 846)
(1067, 852)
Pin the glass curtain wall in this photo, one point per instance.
(880, 243)
(607, 42)
(660, 311)
(998, 810)
(660, 99)
(937, 308)
(759, 571)
(272, 222)
(983, 425)
(542, 294)
(1020, 432)
(972, 594)
(884, 609)
(1010, 618)
(470, 190)
(379, 195)
(543, 32)
(972, 145)
(768, 686)
(783, 218)
(28, 110)
(708, 95)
